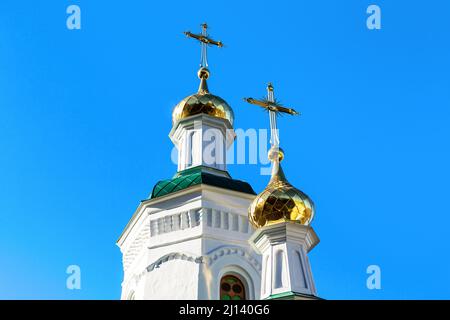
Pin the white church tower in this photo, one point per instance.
(189, 240)
(203, 235)
(282, 215)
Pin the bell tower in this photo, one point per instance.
(281, 215)
(189, 239)
(203, 140)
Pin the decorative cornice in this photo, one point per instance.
(281, 233)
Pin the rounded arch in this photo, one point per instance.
(173, 256)
(246, 279)
(232, 260)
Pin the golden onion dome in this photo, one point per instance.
(203, 102)
(280, 201)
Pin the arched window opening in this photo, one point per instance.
(231, 288)
(190, 145)
(279, 269)
(302, 278)
(264, 284)
(213, 151)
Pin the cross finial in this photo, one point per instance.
(205, 41)
(274, 109)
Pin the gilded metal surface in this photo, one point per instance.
(280, 201)
(271, 106)
(203, 74)
(203, 38)
(205, 42)
(203, 103)
(276, 153)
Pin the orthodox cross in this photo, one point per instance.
(274, 109)
(205, 41)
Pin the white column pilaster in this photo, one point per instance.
(202, 140)
(286, 271)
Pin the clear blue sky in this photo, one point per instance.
(85, 117)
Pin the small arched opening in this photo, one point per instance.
(232, 288)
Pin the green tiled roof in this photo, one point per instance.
(194, 176)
